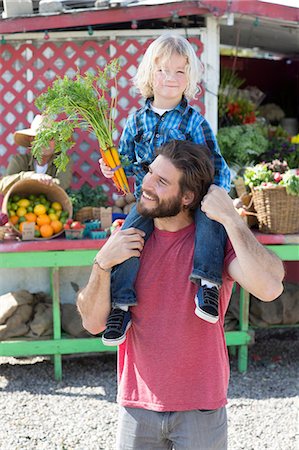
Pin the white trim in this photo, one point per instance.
(211, 61)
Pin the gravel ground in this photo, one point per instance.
(80, 413)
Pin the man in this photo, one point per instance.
(23, 167)
(173, 368)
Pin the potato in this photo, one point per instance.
(130, 198)
(120, 202)
(128, 208)
(116, 209)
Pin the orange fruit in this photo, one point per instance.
(56, 225)
(39, 209)
(21, 226)
(30, 217)
(43, 219)
(46, 231)
(14, 219)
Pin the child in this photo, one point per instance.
(167, 76)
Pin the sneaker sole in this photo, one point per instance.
(119, 341)
(206, 316)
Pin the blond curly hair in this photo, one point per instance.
(164, 47)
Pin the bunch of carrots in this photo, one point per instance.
(111, 158)
(87, 103)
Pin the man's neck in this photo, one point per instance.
(176, 223)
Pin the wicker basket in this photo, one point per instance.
(277, 211)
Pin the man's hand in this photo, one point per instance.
(120, 246)
(218, 205)
(94, 303)
(45, 178)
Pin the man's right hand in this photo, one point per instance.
(122, 245)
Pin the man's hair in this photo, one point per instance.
(195, 163)
(164, 47)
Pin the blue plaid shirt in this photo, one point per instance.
(146, 130)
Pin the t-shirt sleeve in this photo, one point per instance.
(230, 255)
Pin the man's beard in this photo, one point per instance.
(165, 208)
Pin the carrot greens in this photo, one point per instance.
(86, 104)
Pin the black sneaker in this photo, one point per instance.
(206, 302)
(118, 323)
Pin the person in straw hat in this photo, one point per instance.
(24, 167)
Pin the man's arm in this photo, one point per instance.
(257, 270)
(94, 303)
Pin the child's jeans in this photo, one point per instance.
(209, 248)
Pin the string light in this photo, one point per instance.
(46, 35)
(3, 40)
(256, 22)
(90, 30)
(134, 24)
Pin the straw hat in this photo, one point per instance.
(22, 137)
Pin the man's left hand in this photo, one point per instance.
(218, 205)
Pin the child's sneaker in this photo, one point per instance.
(118, 323)
(206, 302)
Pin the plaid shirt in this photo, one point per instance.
(145, 130)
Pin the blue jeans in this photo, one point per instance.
(210, 241)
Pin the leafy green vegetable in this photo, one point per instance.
(87, 196)
(84, 103)
(291, 182)
(240, 144)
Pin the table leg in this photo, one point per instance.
(54, 280)
(244, 325)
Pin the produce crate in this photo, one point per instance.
(74, 234)
(88, 213)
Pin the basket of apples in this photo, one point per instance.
(73, 229)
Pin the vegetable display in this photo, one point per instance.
(83, 101)
(276, 173)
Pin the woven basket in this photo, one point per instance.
(277, 211)
(53, 193)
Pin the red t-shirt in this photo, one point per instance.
(172, 360)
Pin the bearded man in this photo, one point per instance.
(173, 367)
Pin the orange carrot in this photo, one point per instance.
(116, 159)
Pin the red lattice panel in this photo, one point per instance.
(27, 69)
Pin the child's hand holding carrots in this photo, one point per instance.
(106, 170)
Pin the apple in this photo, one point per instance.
(77, 225)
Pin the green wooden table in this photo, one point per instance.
(59, 252)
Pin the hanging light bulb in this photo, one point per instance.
(46, 35)
(3, 40)
(134, 25)
(90, 30)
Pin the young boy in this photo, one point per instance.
(167, 77)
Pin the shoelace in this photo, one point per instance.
(210, 296)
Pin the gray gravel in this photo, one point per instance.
(80, 413)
